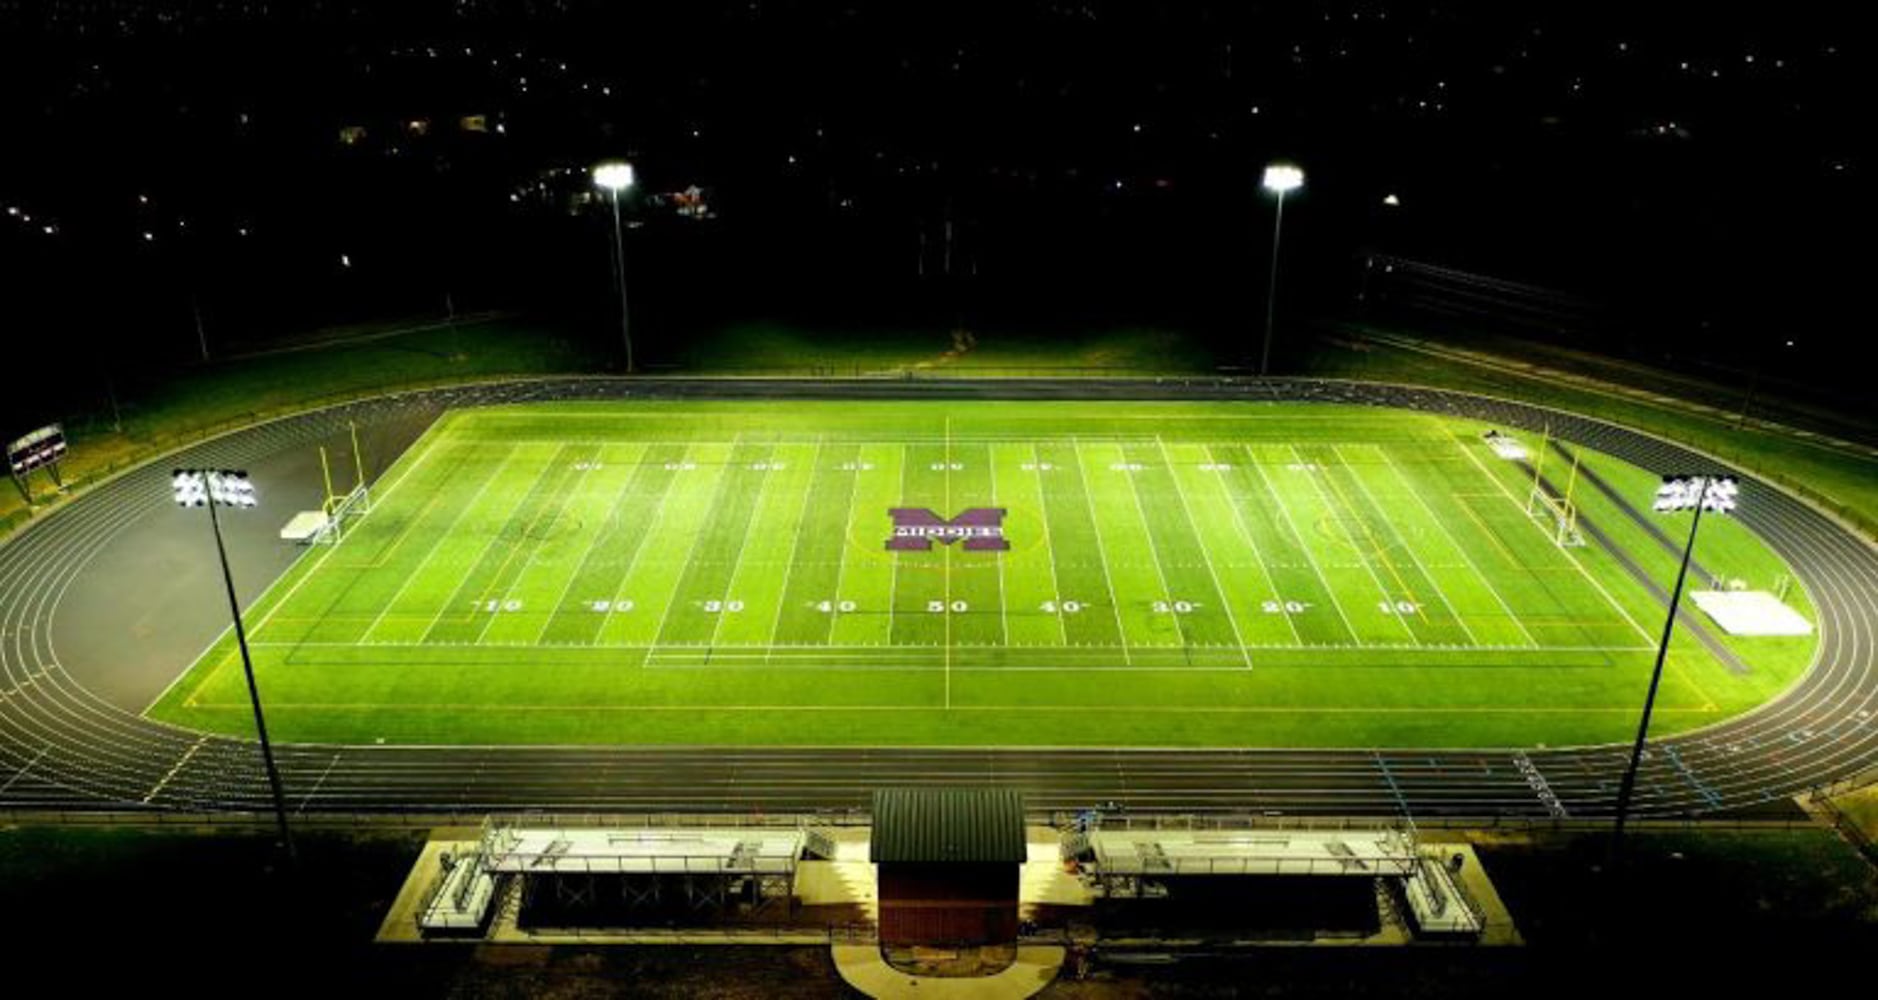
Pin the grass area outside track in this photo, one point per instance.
(1178, 574)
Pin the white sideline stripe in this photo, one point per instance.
(812, 648)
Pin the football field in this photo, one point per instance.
(916, 573)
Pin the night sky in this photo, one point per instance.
(1681, 178)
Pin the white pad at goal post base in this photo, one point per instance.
(305, 526)
(1750, 612)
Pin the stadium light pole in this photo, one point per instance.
(1678, 493)
(214, 488)
(616, 177)
(1280, 179)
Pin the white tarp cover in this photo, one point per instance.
(1750, 612)
(304, 526)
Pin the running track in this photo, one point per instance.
(64, 748)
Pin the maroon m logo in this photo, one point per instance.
(916, 528)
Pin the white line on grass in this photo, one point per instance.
(562, 502)
(1238, 523)
(1337, 503)
(795, 545)
(724, 480)
(1205, 556)
(1049, 551)
(1510, 498)
(424, 560)
(612, 514)
(1433, 580)
(841, 556)
(749, 525)
(1284, 511)
(520, 502)
(1004, 591)
(1441, 524)
(645, 541)
(1102, 556)
(1154, 554)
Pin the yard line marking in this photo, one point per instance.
(749, 525)
(612, 513)
(841, 557)
(795, 545)
(1338, 502)
(1205, 556)
(1239, 525)
(1102, 556)
(1284, 511)
(520, 502)
(1154, 556)
(564, 500)
(946, 557)
(417, 571)
(1049, 552)
(724, 479)
(1433, 580)
(1536, 526)
(893, 583)
(1004, 591)
(639, 548)
(1441, 524)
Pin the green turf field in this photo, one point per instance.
(1177, 574)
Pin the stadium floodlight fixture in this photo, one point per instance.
(227, 487)
(616, 176)
(214, 488)
(1280, 179)
(1699, 493)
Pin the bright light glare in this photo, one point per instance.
(1716, 494)
(1283, 177)
(228, 487)
(1391, 200)
(614, 177)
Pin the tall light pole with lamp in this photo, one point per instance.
(1280, 179)
(616, 177)
(214, 488)
(1678, 493)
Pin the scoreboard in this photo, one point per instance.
(39, 448)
